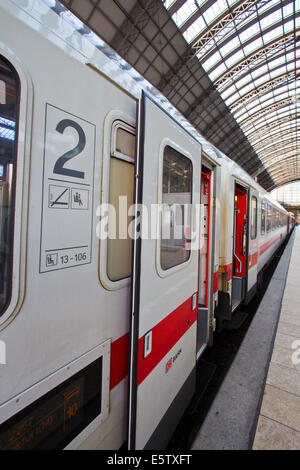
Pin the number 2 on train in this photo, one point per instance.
(63, 159)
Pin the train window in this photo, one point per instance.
(273, 218)
(263, 219)
(253, 230)
(176, 213)
(121, 182)
(9, 110)
(269, 217)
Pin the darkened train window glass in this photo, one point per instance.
(269, 217)
(176, 209)
(273, 218)
(9, 109)
(253, 230)
(263, 219)
(278, 219)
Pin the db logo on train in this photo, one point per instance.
(169, 365)
(172, 360)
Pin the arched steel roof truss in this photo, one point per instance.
(229, 66)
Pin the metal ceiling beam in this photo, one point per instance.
(246, 83)
(277, 146)
(286, 182)
(274, 169)
(273, 123)
(274, 138)
(271, 49)
(132, 40)
(268, 181)
(259, 115)
(277, 160)
(262, 91)
(229, 37)
(272, 66)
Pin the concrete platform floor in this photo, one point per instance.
(232, 419)
(279, 420)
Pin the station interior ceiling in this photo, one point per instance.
(231, 67)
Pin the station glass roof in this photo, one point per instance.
(249, 51)
(229, 66)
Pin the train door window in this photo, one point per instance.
(269, 218)
(263, 219)
(176, 212)
(9, 110)
(273, 218)
(121, 182)
(205, 201)
(253, 230)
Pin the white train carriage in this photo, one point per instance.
(254, 226)
(92, 340)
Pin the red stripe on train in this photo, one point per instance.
(253, 258)
(216, 282)
(164, 336)
(269, 243)
(119, 360)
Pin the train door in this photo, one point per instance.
(253, 244)
(207, 279)
(165, 278)
(239, 245)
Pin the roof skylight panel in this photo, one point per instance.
(272, 18)
(277, 156)
(217, 72)
(220, 6)
(234, 43)
(271, 35)
(247, 88)
(280, 112)
(258, 81)
(214, 11)
(277, 72)
(234, 59)
(249, 32)
(228, 91)
(242, 81)
(211, 61)
(268, 149)
(194, 30)
(187, 9)
(276, 62)
(168, 3)
(263, 105)
(283, 90)
(257, 104)
(258, 122)
(254, 45)
(232, 99)
(289, 26)
(263, 69)
(267, 5)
